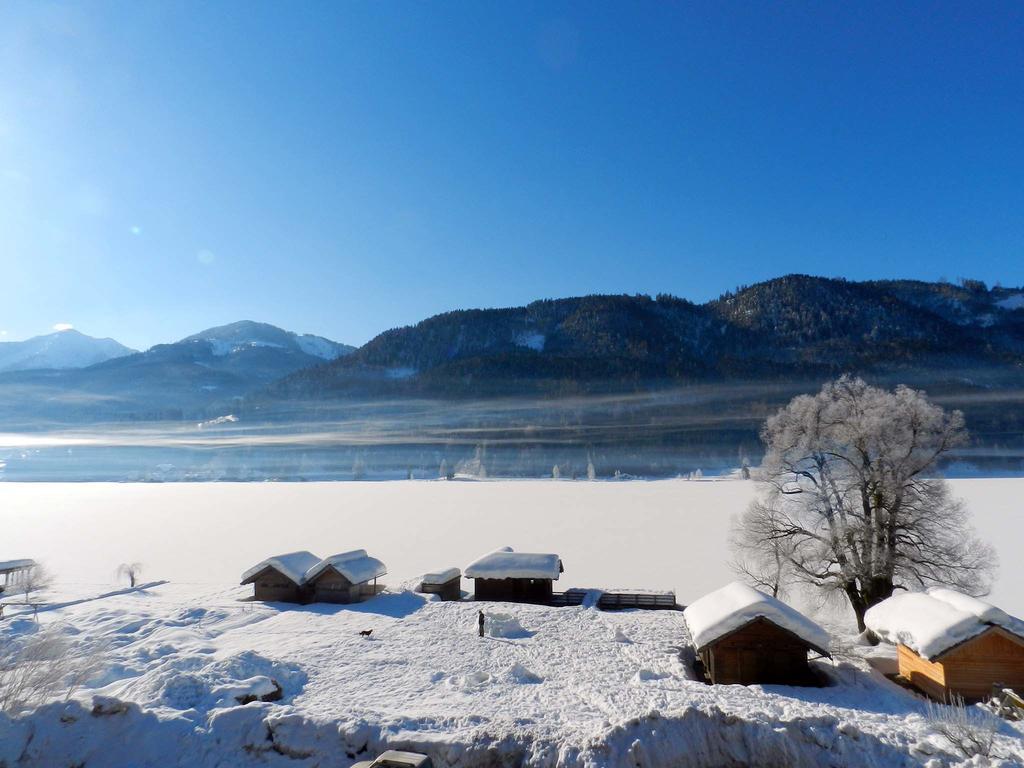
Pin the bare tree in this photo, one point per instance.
(130, 571)
(851, 502)
(35, 580)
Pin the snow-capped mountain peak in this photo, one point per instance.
(245, 335)
(60, 350)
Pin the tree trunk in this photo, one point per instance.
(871, 592)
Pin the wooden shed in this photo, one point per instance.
(950, 644)
(514, 577)
(743, 636)
(350, 577)
(281, 578)
(14, 573)
(447, 584)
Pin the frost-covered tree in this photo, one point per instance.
(34, 581)
(130, 572)
(851, 502)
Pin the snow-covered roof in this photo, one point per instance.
(15, 565)
(931, 623)
(735, 605)
(441, 577)
(504, 563)
(356, 566)
(293, 565)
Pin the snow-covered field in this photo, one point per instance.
(573, 687)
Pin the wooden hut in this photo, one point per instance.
(746, 637)
(350, 577)
(14, 573)
(281, 578)
(447, 584)
(514, 577)
(950, 644)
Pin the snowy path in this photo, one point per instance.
(578, 687)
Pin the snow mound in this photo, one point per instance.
(505, 563)
(505, 625)
(520, 675)
(932, 622)
(735, 605)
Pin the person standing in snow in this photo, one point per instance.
(480, 623)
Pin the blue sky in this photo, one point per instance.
(346, 167)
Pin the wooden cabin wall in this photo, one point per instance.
(928, 676)
(273, 586)
(514, 590)
(994, 656)
(332, 587)
(757, 653)
(449, 590)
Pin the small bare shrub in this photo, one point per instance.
(43, 666)
(971, 731)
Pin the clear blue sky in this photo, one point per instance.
(346, 167)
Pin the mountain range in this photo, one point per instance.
(59, 350)
(787, 335)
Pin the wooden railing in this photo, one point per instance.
(613, 601)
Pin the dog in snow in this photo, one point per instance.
(365, 632)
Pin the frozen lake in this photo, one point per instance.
(669, 534)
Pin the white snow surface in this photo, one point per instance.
(547, 687)
(356, 566)
(505, 563)
(294, 565)
(932, 622)
(736, 604)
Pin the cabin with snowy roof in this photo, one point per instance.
(951, 644)
(447, 584)
(746, 637)
(514, 577)
(281, 578)
(350, 577)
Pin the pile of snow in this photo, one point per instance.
(294, 565)
(356, 566)
(504, 563)
(441, 577)
(504, 625)
(932, 622)
(735, 605)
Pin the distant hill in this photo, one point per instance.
(59, 350)
(210, 369)
(794, 327)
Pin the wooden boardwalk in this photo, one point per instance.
(614, 601)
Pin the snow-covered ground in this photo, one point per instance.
(570, 687)
(560, 687)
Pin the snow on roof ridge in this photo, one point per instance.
(932, 622)
(504, 563)
(291, 564)
(735, 605)
(440, 577)
(355, 565)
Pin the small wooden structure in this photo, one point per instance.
(350, 577)
(447, 584)
(949, 644)
(281, 578)
(745, 637)
(15, 573)
(617, 601)
(514, 577)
